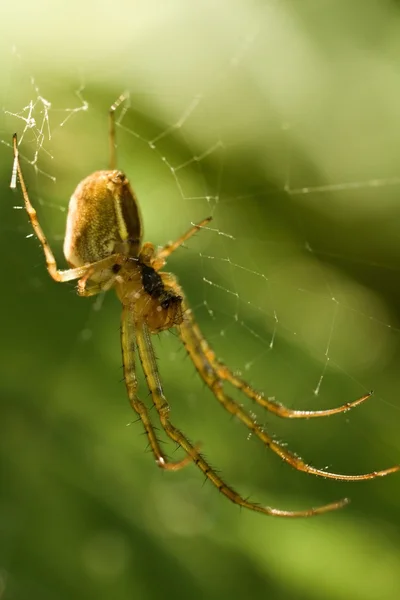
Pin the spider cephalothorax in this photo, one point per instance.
(149, 295)
(165, 303)
(103, 246)
(154, 285)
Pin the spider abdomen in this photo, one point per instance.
(103, 219)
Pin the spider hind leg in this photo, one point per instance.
(148, 360)
(209, 369)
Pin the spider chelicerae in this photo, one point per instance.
(103, 247)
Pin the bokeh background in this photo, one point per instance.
(281, 120)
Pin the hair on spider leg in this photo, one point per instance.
(173, 333)
(177, 447)
(133, 422)
(206, 479)
(152, 408)
(148, 447)
(159, 440)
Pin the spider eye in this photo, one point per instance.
(170, 299)
(116, 268)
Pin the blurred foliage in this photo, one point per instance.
(284, 127)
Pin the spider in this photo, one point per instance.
(103, 247)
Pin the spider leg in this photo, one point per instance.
(57, 275)
(98, 267)
(225, 373)
(94, 289)
(275, 407)
(204, 360)
(278, 409)
(168, 249)
(148, 360)
(111, 113)
(128, 354)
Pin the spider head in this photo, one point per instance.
(166, 311)
(163, 306)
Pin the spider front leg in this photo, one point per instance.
(128, 355)
(57, 275)
(210, 369)
(160, 256)
(148, 360)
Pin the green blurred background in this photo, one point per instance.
(281, 120)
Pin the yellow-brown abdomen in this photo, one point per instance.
(103, 219)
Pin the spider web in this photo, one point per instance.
(293, 281)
